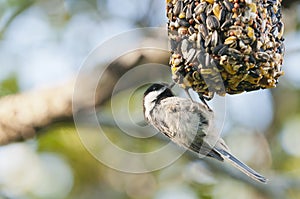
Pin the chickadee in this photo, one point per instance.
(188, 124)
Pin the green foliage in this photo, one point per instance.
(63, 139)
(9, 86)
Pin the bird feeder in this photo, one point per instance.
(225, 46)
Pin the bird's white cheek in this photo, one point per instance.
(149, 102)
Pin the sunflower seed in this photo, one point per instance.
(228, 5)
(214, 39)
(191, 55)
(200, 8)
(178, 7)
(212, 22)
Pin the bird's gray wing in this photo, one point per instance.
(185, 122)
(189, 125)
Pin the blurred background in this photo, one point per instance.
(44, 42)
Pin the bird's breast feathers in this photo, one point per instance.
(181, 118)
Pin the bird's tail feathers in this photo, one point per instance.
(240, 165)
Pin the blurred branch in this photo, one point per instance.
(22, 115)
(7, 20)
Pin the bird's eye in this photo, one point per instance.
(156, 87)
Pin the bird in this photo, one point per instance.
(189, 124)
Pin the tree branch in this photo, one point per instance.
(22, 115)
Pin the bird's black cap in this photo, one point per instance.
(154, 87)
(166, 93)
